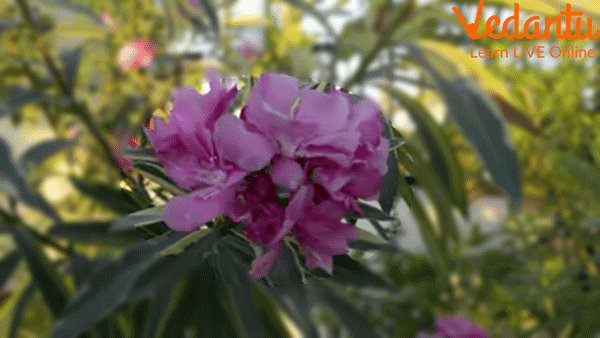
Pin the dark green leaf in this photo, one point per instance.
(17, 315)
(140, 154)
(41, 151)
(357, 325)
(297, 303)
(184, 9)
(370, 212)
(81, 268)
(7, 266)
(439, 147)
(95, 233)
(138, 219)
(18, 96)
(15, 185)
(209, 9)
(482, 125)
(45, 276)
(163, 308)
(368, 246)
(110, 197)
(351, 272)
(157, 174)
(389, 182)
(108, 287)
(70, 61)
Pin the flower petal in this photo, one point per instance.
(287, 173)
(248, 150)
(185, 213)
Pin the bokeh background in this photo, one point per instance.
(79, 79)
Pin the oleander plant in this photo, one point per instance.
(222, 168)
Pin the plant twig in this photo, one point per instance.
(76, 108)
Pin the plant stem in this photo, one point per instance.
(382, 42)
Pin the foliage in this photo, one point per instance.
(99, 261)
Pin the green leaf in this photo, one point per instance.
(19, 310)
(70, 60)
(370, 212)
(163, 308)
(15, 185)
(17, 96)
(109, 287)
(45, 275)
(352, 319)
(140, 154)
(157, 174)
(112, 198)
(348, 271)
(188, 13)
(425, 226)
(9, 311)
(481, 123)
(7, 266)
(209, 9)
(365, 245)
(95, 233)
(439, 147)
(389, 182)
(138, 219)
(179, 246)
(41, 151)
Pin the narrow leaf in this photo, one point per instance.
(41, 151)
(15, 185)
(389, 182)
(7, 266)
(95, 233)
(45, 276)
(108, 287)
(70, 60)
(138, 219)
(482, 125)
(351, 272)
(439, 147)
(110, 197)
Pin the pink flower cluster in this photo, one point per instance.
(291, 164)
(454, 327)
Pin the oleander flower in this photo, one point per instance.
(291, 165)
(136, 53)
(315, 222)
(339, 141)
(206, 151)
(108, 21)
(331, 153)
(454, 327)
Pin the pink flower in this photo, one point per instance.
(247, 50)
(108, 21)
(117, 149)
(136, 53)
(315, 222)
(207, 151)
(454, 327)
(339, 142)
(291, 165)
(332, 152)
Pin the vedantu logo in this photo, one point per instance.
(493, 22)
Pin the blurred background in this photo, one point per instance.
(503, 152)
